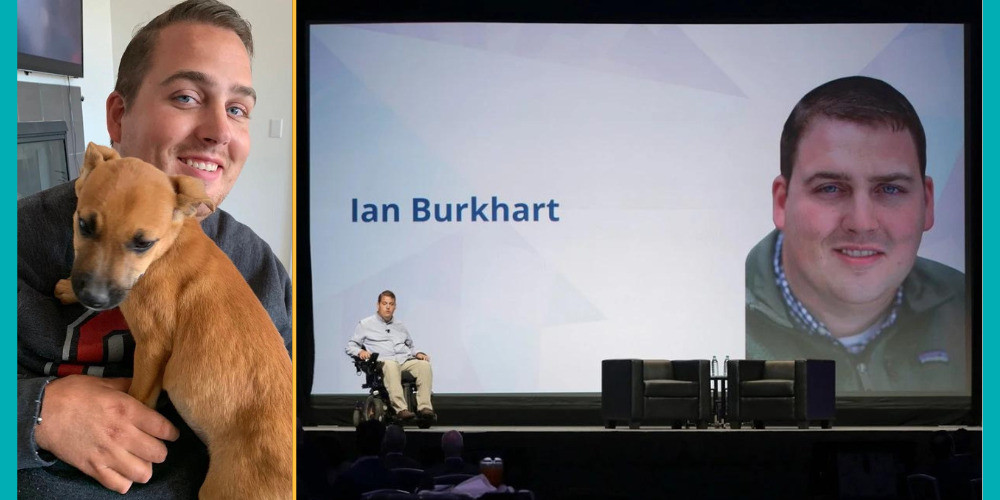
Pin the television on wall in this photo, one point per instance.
(50, 36)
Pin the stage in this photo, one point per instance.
(659, 462)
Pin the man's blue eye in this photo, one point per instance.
(237, 111)
(184, 99)
(892, 189)
(829, 188)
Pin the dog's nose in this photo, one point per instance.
(94, 298)
(94, 294)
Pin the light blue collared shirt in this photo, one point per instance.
(391, 340)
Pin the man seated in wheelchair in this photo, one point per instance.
(386, 339)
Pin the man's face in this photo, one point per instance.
(852, 213)
(386, 306)
(191, 113)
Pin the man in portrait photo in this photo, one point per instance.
(839, 278)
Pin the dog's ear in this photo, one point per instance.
(190, 193)
(94, 156)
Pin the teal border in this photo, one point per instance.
(8, 179)
(990, 208)
(991, 240)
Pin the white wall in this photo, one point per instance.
(98, 74)
(98, 70)
(262, 198)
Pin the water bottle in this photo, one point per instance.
(715, 366)
(725, 367)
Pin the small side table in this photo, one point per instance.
(719, 399)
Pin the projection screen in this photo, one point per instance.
(544, 196)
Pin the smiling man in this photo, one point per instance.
(182, 101)
(839, 278)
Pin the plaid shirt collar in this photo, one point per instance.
(809, 324)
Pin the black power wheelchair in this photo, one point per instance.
(376, 406)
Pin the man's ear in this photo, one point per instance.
(190, 193)
(114, 111)
(928, 203)
(94, 156)
(779, 195)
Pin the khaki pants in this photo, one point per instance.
(421, 370)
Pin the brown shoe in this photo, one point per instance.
(425, 413)
(405, 415)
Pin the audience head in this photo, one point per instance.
(369, 437)
(452, 443)
(394, 440)
(963, 440)
(942, 445)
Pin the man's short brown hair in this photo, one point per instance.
(858, 99)
(386, 293)
(136, 59)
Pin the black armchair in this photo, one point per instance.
(801, 391)
(637, 390)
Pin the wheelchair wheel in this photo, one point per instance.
(374, 409)
(356, 418)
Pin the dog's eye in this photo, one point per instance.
(86, 229)
(140, 246)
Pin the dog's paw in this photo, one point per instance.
(64, 292)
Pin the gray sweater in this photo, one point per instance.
(55, 340)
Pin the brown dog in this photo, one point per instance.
(200, 332)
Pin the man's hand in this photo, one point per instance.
(92, 424)
(423, 357)
(364, 355)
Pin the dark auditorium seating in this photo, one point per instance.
(388, 494)
(519, 495)
(410, 479)
(451, 479)
(441, 495)
(922, 487)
